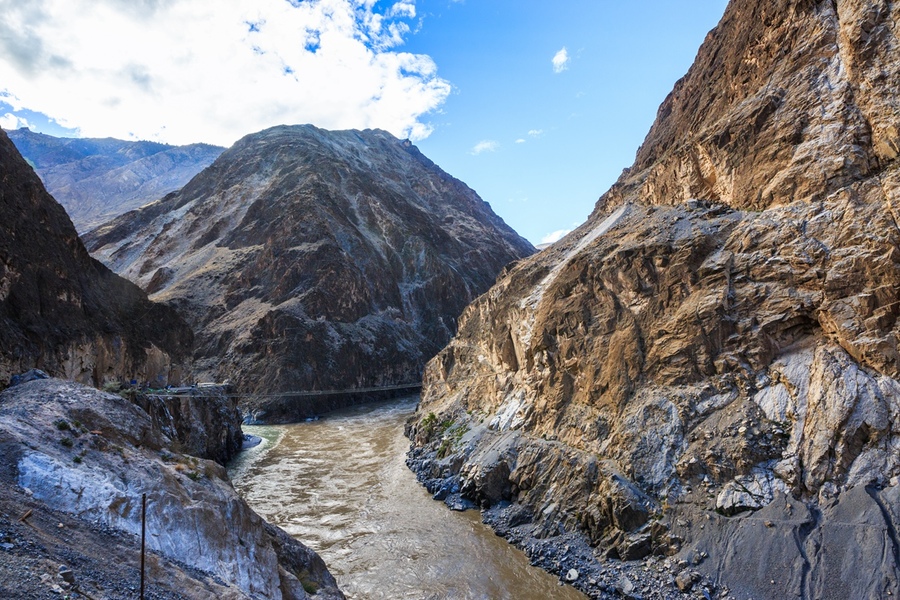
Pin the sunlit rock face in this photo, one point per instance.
(99, 179)
(721, 334)
(93, 455)
(64, 312)
(309, 259)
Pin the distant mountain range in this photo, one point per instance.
(99, 179)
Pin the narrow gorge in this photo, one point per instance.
(694, 394)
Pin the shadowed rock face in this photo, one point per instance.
(312, 259)
(721, 334)
(99, 179)
(61, 310)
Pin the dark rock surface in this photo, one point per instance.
(204, 422)
(64, 312)
(75, 462)
(99, 179)
(719, 338)
(307, 259)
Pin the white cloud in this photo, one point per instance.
(403, 9)
(535, 132)
(485, 146)
(9, 121)
(552, 238)
(204, 70)
(520, 141)
(560, 60)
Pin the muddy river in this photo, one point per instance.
(340, 485)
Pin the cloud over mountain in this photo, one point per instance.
(181, 72)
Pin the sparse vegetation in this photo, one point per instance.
(426, 426)
(430, 428)
(309, 586)
(112, 387)
(62, 425)
(451, 438)
(67, 442)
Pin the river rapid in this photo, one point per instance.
(340, 485)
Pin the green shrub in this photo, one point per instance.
(309, 586)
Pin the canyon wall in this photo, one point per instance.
(719, 338)
(64, 312)
(77, 462)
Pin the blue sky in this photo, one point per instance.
(624, 58)
(472, 82)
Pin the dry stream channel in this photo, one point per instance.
(341, 486)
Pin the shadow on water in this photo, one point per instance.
(340, 484)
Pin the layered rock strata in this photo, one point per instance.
(64, 312)
(99, 179)
(89, 456)
(719, 338)
(307, 259)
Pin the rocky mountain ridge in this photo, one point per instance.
(719, 338)
(64, 312)
(307, 259)
(98, 179)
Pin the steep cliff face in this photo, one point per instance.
(76, 462)
(720, 336)
(202, 422)
(311, 259)
(61, 310)
(99, 179)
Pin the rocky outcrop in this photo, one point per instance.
(720, 337)
(98, 179)
(64, 312)
(203, 422)
(90, 456)
(307, 259)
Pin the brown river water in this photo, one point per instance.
(341, 486)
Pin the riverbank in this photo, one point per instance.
(567, 555)
(352, 499)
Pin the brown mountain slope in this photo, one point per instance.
(308, 259)
(64, 312)
(720, 337)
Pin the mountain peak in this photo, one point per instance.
(315, 259)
